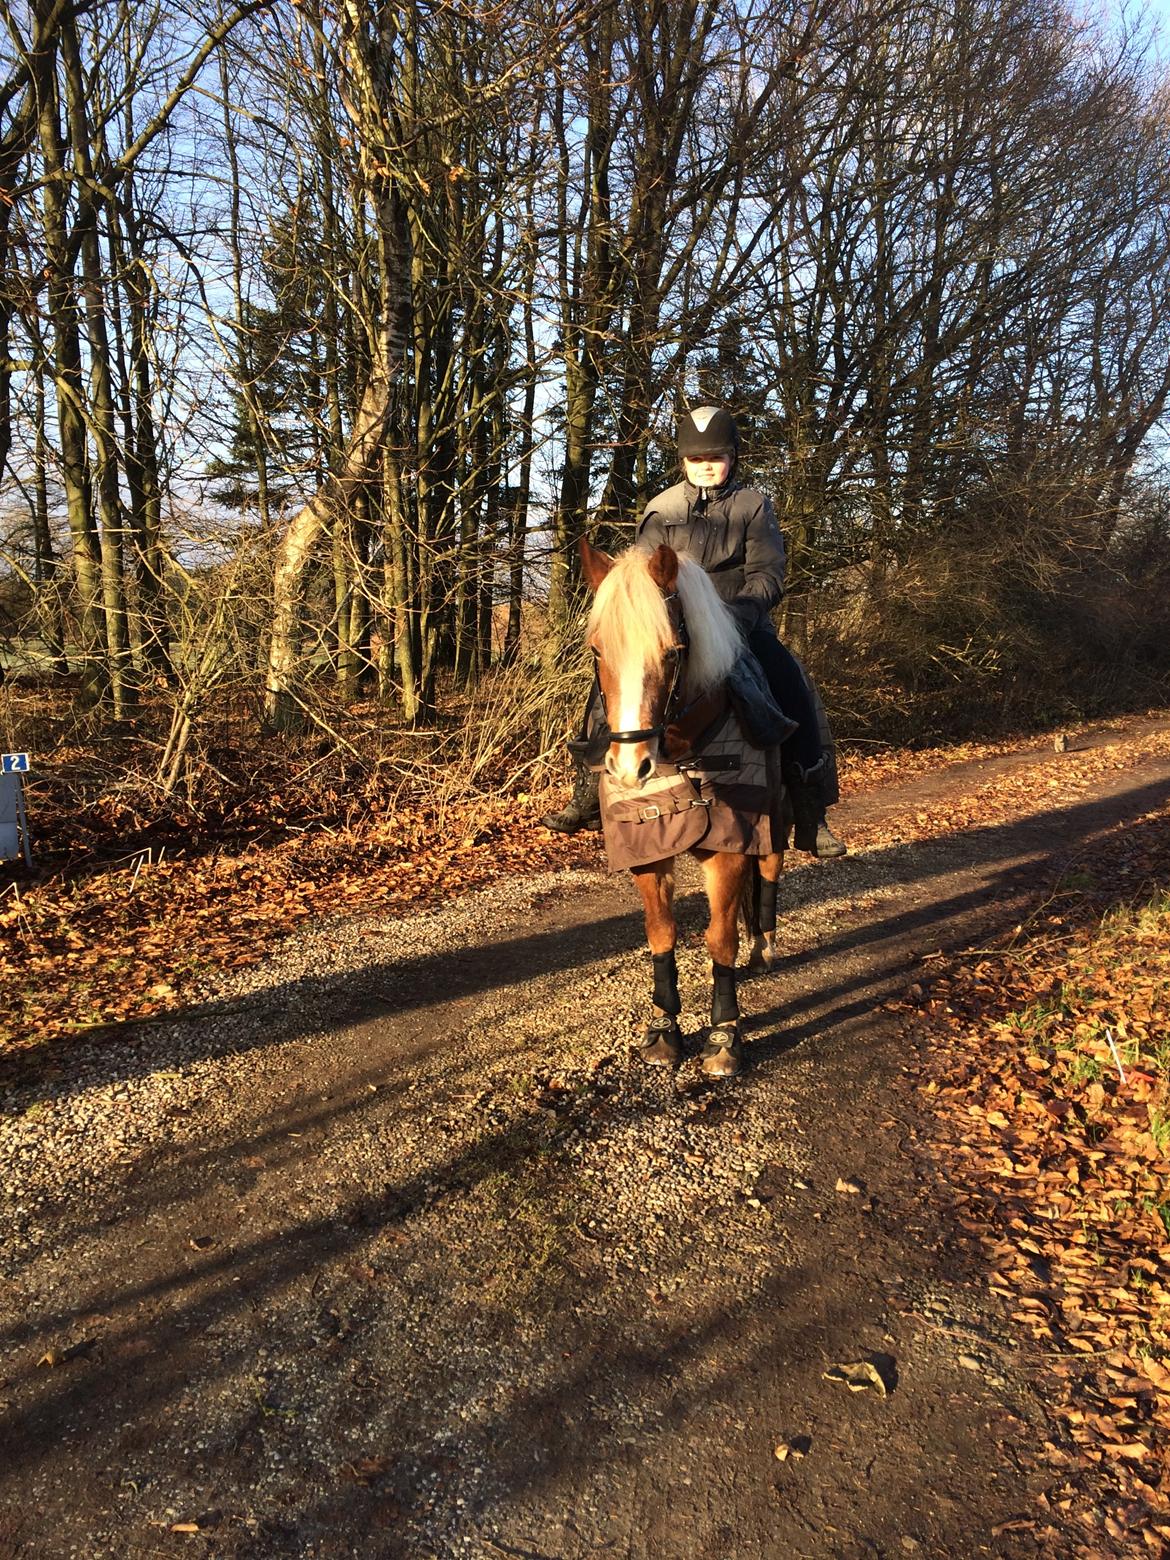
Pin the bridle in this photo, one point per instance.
(676, 655)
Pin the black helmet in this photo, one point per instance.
(708, 431)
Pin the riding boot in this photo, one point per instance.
(584, 809)
(804, 798)
(807, 795)
(828, 845)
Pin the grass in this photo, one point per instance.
(1080, 1069)
(531, 1209)
(1115, 965)
(1037, 1020)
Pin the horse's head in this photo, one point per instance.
(637, 634)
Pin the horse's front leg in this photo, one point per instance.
(763, 919)
(725, 876)
(662, 1042)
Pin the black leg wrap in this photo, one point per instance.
(767, 920)
(666, 983)
(724, 1007)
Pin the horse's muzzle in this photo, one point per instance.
(631, 768)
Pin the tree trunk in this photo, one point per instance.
(46, 564)
(244, 375)
(282, 706)
(101, 418)
(68, 383)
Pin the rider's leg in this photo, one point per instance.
(583, 809)
(827, 842)
(787, 682)
(803, 755)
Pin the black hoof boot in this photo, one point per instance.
(662, 1043)
(723, 1053)
(584, 809)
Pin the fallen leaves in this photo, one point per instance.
(1048, 1080)
(864, 1375)
(365, 1471)
(55, 1356)
(797, 1448)
(118, 946)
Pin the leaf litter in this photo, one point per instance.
(859, 1376)
(1047, 1071)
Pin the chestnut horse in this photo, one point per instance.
(664, 643)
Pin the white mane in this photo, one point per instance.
(630, 623)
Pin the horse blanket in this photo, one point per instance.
(728, 798)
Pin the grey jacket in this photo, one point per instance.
(734, 536)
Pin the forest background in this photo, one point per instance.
(327, 329)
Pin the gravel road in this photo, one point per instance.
(390, 1247)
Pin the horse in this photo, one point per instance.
(664, 644)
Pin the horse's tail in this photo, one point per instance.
(749, 904)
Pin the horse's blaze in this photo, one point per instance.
(625, 759)
(634, 702)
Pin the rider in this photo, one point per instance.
(731, 530)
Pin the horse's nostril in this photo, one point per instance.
(646, 768)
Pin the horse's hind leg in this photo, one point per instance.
(662, 1043)
(762, 919)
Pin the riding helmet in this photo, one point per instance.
(708, 431)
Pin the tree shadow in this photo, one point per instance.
(599, 1394)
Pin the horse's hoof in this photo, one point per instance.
(662, 1045)
(763, 959)
(723, 1053)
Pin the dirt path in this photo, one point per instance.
(393, 1250)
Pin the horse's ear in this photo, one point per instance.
(595, 565)
(663, 568)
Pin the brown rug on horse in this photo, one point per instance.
(731, 801)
